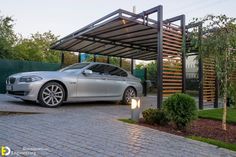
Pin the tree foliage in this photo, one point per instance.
(115, 61)
(70, 58)
(151, 70)
(7, 37)
(37, 48)
(219, 42)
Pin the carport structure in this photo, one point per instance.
(135, 36)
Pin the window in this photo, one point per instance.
(115, 71)
(98, 68)
(74, 67)
(103, 69)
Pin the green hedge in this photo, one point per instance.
(155, 116)
(181, 109)
(8, 67)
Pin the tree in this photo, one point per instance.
(7, 37)
(70, 58)
(151, 70)
(126, 64)
(219, 42)
(100, 58)
(115, 61)
(139, 66)
(37, 48)
(87, 57)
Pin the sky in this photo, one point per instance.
(63, 17)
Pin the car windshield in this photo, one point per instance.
(74, 67)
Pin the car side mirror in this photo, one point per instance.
(87, 72)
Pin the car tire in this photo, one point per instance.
(128, 94)
(52, 94)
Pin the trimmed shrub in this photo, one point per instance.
(155, 116)
(181, 109)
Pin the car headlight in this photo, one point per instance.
(30, 78)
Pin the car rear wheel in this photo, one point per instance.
(52, 94)
(128, 95)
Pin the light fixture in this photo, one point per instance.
(123, 21)
(135, 108)
(135, 103)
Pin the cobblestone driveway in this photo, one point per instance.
(93, 130)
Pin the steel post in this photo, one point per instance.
(132, 66)
(145, 82)
(183, 53)
(216, 92)
(94, 58)
(159, 56)
(108, 59)
(200, 70)
(79, 57)
(62, 59)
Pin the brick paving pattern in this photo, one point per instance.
(93, 130)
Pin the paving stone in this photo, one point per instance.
(92, 129)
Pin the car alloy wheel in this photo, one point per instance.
(52, 94)
(128, 95)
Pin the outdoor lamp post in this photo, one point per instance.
(135, 108)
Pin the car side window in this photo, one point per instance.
(115, 71)
(98, 69)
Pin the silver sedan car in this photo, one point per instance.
(75, 83)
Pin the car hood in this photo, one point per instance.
(42, 74)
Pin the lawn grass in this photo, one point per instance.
(214, 142)
(216, 114)
(130, 121)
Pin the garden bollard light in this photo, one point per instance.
(135, 108)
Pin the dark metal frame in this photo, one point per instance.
(200, 67)
(200, 64)
(62, 59)
(120, 62)
(150, 52)
(132, 66)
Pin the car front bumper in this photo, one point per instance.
(25, 91)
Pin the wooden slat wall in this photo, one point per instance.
(233, 76)
(172, 60)
(209, 78)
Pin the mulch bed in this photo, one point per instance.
(202, 127)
